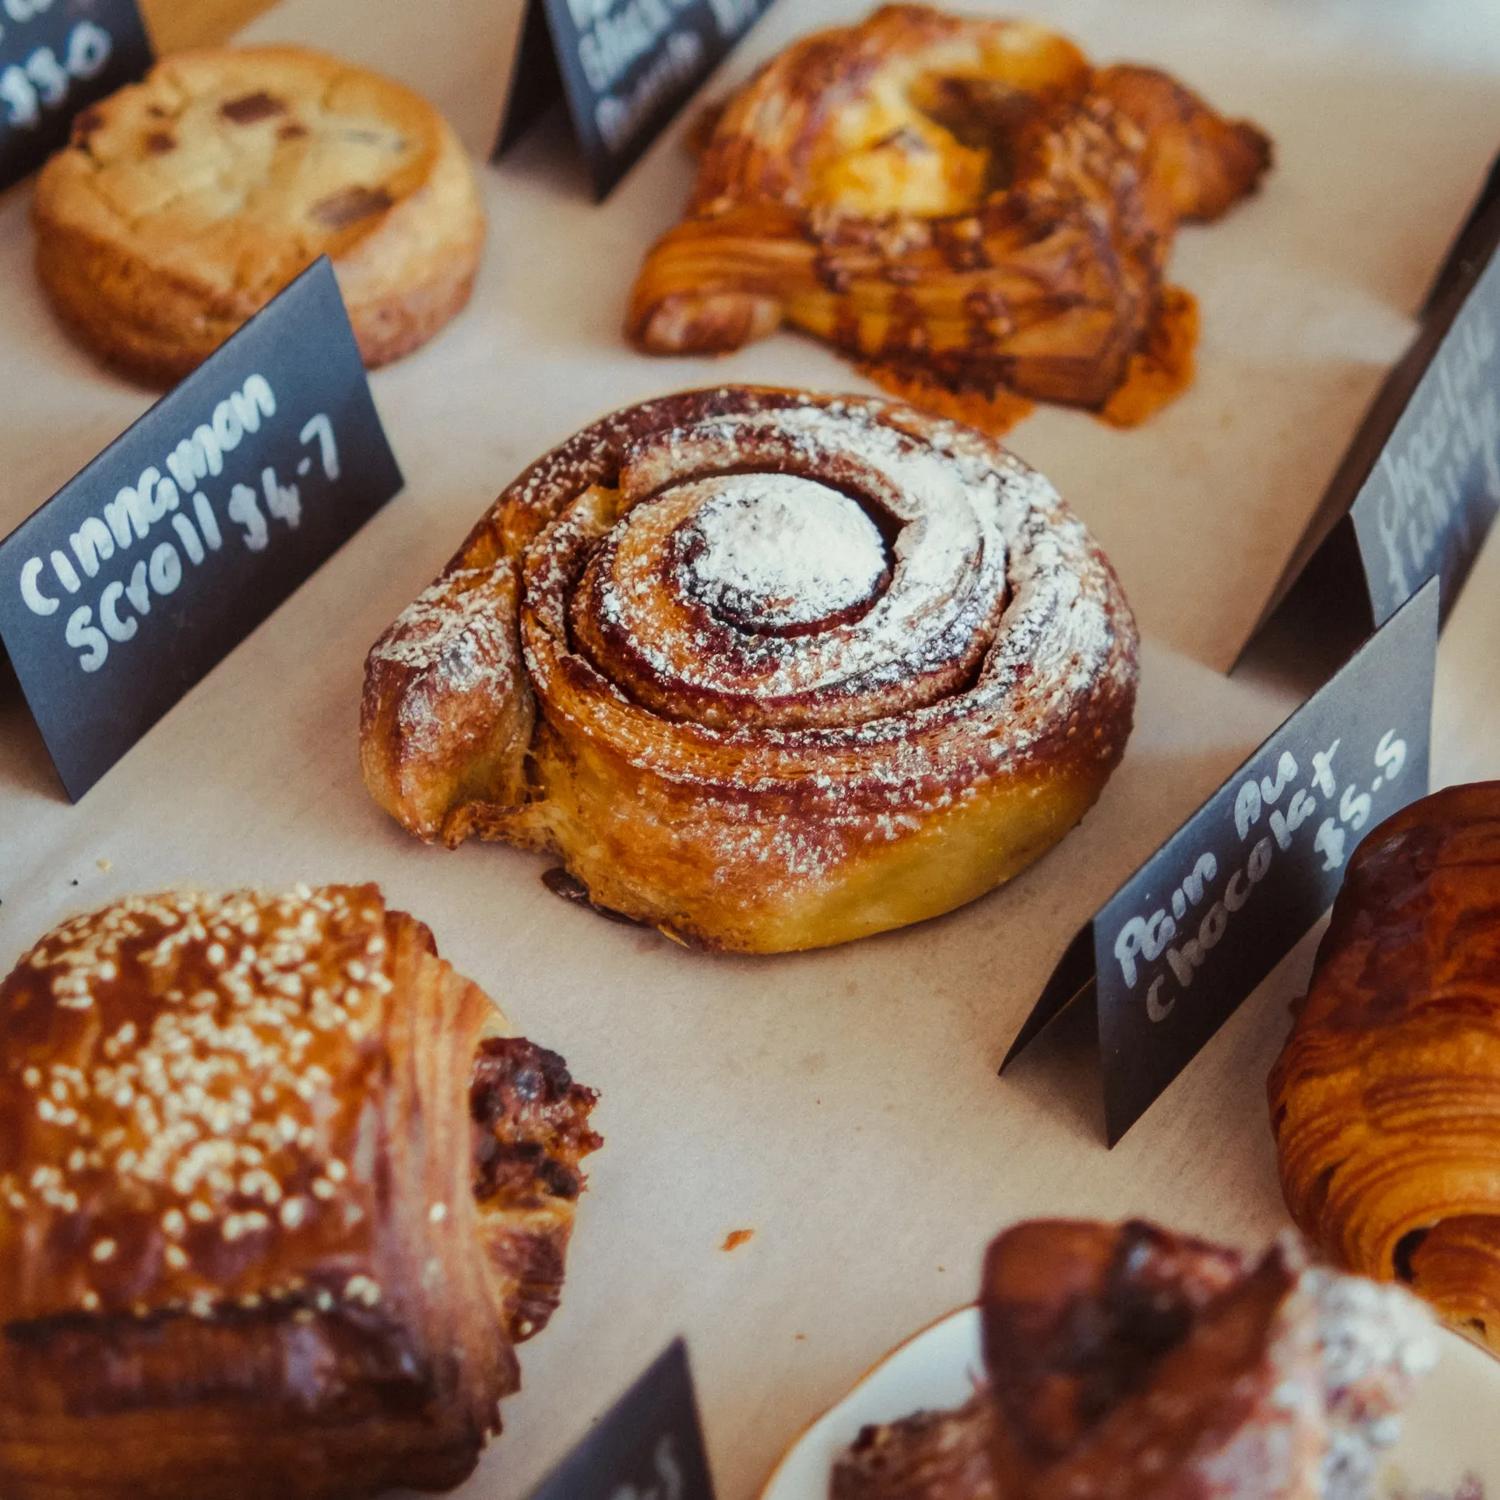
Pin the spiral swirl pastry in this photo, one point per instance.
(967, 203)
(1386, 1098)
(768, 670)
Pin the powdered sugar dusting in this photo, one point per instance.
(777, 550)
(821, 622)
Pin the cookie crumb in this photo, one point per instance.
(103, 863)
(737, 1237)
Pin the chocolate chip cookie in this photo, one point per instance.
(185, 202)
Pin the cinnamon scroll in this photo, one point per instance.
(279, 1196)
(1124, 1362)
(766, 670)
(1386, 1097)
(967, 205)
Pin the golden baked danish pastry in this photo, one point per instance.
(967, 205)
(767, 670)
(1386, 1098)
(279, 1195)
(1126, 1361)
(187, 201)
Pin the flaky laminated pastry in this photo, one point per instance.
(279, 1196)
(968, 206)
(767, 670)
(1386, 1098)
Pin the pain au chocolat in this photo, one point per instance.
(1126, 1362)
(969, 206)
(279, 1196)
(767, 670)
(1386, 1098)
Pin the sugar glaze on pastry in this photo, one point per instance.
(968, 206)
(279, 1196)
(768, 670)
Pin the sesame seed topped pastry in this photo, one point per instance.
(968, 206)
(185, 202)
(278, 1198)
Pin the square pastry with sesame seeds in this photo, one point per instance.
(279, 1196)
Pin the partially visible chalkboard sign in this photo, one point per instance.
(649, 1446)
(625, 67)
(56, 56)
(1419, 487)
(1173, 953)
(147, 568)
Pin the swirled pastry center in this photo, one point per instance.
(733, 590)
(779, 554)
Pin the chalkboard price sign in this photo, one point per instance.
(56, 56)
(649, 1446)
(1419, 488)
(624, 67)
(1172, 954)
(141, 573)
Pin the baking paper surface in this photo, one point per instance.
(844, 1104)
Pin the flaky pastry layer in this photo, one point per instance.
(967, 204)
(768, 670)
(1386, 1098)
(278, 1198)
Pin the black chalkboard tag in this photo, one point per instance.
(1173, 953)
(150, 566)
(1419, 487)
(649, 1446)
(57, 57)
(624, 68)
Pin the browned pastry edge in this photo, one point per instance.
(495, 705)
(1126, 1361)
(1050, 286)
(358, 1343)
(1385, 1101)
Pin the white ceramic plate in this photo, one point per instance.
(1451, 1431)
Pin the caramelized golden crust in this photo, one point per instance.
(962, 200)
(186, 201)
(767, 670)
(1125, 1361)
(246, 1241)
(1386, 1098)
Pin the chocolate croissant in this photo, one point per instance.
(767, 670)
(279, 1196)
(1127, 1361)
(967, 203)
(1386, 1098)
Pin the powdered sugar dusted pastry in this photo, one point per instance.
(1126, 1361)
(279, 1194)
(768, 670)
(185, 202)
(966, 205)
